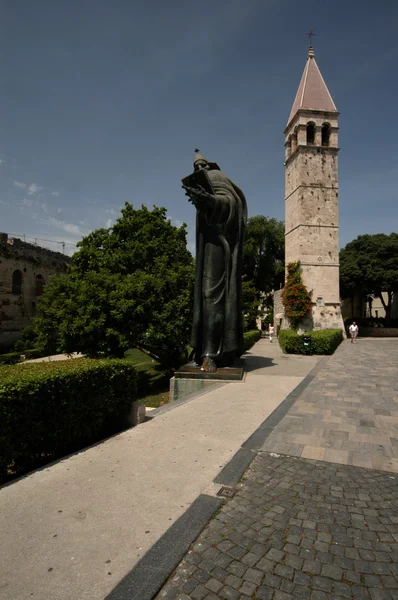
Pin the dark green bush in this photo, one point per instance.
(11, 358)
(52, 408)
(34, 353)
(324, 341)
(290, 342)
(250, 338)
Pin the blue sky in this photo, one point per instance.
(104, 102)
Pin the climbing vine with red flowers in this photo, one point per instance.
(295, 297)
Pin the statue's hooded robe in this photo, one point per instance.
(217, 329)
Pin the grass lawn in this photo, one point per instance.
(153, 379)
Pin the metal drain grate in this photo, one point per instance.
(226, 492)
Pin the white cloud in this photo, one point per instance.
(33, 188)
(27, 202)
(68, 227)
(55, 194)
(109, 223)
(20, 184)
(111, 211)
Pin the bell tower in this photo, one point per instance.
(312, 195)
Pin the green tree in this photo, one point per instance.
(295, 296)
(130, 285)
(369, 265)
(250, 302)
(264, 253)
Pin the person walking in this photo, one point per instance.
(271, 330)
(353, 329)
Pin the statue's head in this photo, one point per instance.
(200, 162)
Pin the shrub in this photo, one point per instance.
(250, 338)
(34, 353)
(52, 408)
(295, 296)
(290, 342)
(11, 358)
(324, 341)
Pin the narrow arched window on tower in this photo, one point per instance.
(17, 283)
(289, 147)
(294, 140)
(325, 134)
(310, 133)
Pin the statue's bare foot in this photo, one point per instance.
(208, 365)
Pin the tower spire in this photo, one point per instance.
(312, 92)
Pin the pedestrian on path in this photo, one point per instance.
(271, 330)
(353, 329)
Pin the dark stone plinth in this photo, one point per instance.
(192, 371)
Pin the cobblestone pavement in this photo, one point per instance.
(297, 528)
(349, 412)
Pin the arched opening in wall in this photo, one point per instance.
(289, 146)
(310, 133)
(294, 140)
(325, 134)
(17, 283)
(39, 285)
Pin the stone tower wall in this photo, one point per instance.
(36, 265)
(311, 214)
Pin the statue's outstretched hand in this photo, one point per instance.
(193, 194)
(197, 194)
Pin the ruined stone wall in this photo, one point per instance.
(19, 292)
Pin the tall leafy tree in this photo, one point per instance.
(369, 265)
(264, 253)
(130, 285)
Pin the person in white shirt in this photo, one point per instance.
(271, 331)
(353, 329)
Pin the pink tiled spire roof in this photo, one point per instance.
(312, 92)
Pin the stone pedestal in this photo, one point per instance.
(190, 379)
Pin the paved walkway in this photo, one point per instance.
(304, 528)
(73, 530)
(349, 413)
(297, 529)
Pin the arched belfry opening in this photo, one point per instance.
(294, 140)
(325, 134)
(310, 133)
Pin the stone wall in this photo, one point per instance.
(24, 270)
(280, 321)
(379, 332)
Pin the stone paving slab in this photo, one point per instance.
(349, 413)
(297, 529)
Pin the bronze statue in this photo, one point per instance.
(217, 330)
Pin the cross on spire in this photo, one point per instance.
(310, 35)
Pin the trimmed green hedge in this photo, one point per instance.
(324, 341)
(52, 408)
(11, 358)
(250, 338)
(34, 353)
